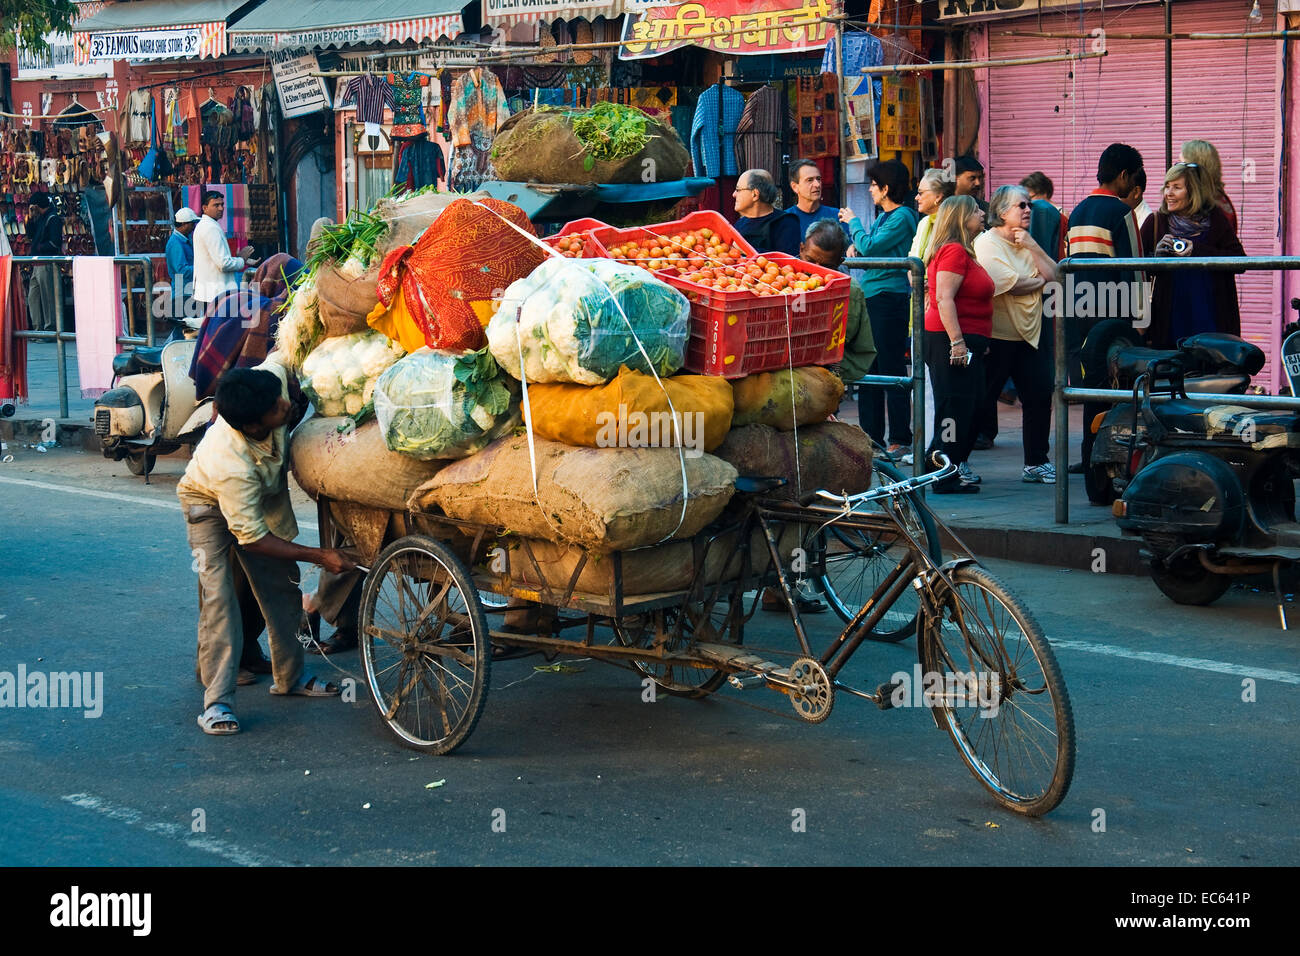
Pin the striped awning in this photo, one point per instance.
(153, 30)
(507, 13)
(325, 24)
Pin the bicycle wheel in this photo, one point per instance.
(424, 644)
(1017, 735)
(675, 629)
(856, 560)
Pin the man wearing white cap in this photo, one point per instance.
(180, 259)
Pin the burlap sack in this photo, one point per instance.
(834, 456)
(603, 499)
(350, 296)
(540, 147)
(337, 321)
(354, 466)
(408, 220)
(764, 398)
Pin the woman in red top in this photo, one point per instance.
(958, 323)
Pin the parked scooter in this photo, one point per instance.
(152, 409)
(1209, 487)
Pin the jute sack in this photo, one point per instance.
(603, 499)
(354, 465)
(335, 320)
(835, 456)
(349, 297)
(632, 412)
(764, 398)
(408, 220)
(541, 147)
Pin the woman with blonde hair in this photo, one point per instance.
(1190, 222)
(958, 323)
(1199, 152)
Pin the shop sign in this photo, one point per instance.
(975, 10)
(59, 62)
(728, 26)
(495, 10)
(307, 39)
(146, 44)
(300, 92)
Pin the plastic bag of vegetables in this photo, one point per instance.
(441, 404)
(340, 373)
(570, 329)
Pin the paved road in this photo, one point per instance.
(96, 578)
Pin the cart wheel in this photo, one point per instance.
(424, 642)
(1014, 728)
(675, 629)
(853, 561)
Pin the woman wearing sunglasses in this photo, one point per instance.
(1020, 346)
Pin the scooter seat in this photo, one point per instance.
(1132, 362)
(1223, 352)
(138, 361)
(1223, 421)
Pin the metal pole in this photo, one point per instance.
(1060, 410)
(1169, 84)
(979, 64)
(840, 111)
(917, 268)
(59, 344)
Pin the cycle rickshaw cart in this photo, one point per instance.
(435, 581)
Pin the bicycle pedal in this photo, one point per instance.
(885, 695)
(745, 683)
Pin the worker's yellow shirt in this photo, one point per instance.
(246, 479)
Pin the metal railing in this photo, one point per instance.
(61, 336)
(1064, 393)
(916, 381)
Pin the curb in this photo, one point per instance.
(1059, 549)
(70, 433)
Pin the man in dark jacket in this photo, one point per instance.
(45, 234)
(763, 226)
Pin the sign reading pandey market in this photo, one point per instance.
(728, 26)
(306, 39)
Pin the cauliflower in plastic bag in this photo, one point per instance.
(440, 404)
(564, 318)
(340, 374)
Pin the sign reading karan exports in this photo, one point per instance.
(728, 26)
(308, 39)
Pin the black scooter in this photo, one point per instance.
(1208, 486)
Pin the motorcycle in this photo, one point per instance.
(152, 409)
(1209, 487)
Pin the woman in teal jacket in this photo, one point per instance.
(887, 294)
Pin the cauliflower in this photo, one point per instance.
(339, 375)
(353, 403)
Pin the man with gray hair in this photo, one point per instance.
(763, 226)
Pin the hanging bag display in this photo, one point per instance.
(155, 164)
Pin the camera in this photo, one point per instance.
(1180, 246)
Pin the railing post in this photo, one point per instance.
(61, 347)
(1060, 410)
(917, 269)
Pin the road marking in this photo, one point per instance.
(113, 496)
(222, 848)
(1196, 663)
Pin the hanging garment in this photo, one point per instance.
(189, 111)
(408, 102)
(419, 163)
(13, 316)
(371, 94)
(758, 134)
(477, 110)
(139, 103)
(860, 49)
(713, 131)
(95, 283)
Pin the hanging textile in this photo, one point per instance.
(235, 222)
(817, 116)
(476, 111)
(408, 102)
(713, 131)
(758, 134)
(96, 284)
(860, 50)
(418, 163)
(13, 317)
(371, 94)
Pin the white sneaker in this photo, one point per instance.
(1044, 474)
(967, 476)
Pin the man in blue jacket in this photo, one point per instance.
(180, 260)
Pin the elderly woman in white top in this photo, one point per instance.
(1020, 345)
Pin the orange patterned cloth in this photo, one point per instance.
(448, 280)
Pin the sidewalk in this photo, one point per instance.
(1007, 519)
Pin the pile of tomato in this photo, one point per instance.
(682, 250)
(571, 247)
(762, 276)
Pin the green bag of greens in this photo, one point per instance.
(440, 404)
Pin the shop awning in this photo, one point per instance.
(155, 30)
(507, 13)
(321, 24)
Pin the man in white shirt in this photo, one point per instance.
(215, 269)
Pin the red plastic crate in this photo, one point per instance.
(609, 236)
(734, 334)
(591, 249)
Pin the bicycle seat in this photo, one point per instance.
(757, 485)
(138, 361)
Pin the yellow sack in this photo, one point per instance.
(632, 412)
(764, 398)
(395, 322)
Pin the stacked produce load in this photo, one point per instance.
(545, 387)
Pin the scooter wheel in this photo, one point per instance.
(1187, 582)
(142, 463)
(1099, 485)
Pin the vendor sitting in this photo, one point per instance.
(235, 496)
